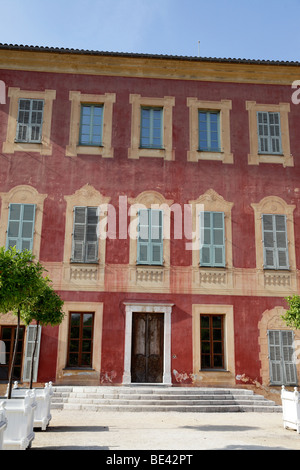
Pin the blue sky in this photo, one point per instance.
(251, 29)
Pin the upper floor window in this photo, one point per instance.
(30, 121)
(209, 131)
(150, 237)
(85, 240)
(91, 123)
(275, 241)
(209, 123)
(20, 228)
(212, 237)
(151, 128)
(269, 134)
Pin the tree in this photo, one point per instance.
(292, 316)
(46, 310)
(21, 282)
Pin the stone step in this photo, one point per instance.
(145, 398)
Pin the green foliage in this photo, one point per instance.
(21, 280)
(46, 308)
(292, 316)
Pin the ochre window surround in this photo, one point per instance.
(23, 194)
(10, 145)
(254, 158)
(274, 205)
(77, 99)
(229, 356)
(224, 107)
(167, 103)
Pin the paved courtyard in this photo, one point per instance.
(112, 431)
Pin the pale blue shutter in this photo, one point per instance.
(150, 237)
(85, 240)
(151, 128)
(212, 239)
(209, 131)
(275, 241)
(143, 254)
(20, 229)
(282, 366)
(156, 237)
(269, 133)
(91, 123)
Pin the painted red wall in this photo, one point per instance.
(240, 183)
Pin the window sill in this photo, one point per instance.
(196, 155)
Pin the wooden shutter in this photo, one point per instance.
(275, 241)
(29, 347)
(20, 229)
(150, 237)
(85, 240)
(281, 354)
(212, 239)
(269, 133)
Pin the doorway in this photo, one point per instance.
(147, 348)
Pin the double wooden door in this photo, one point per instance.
(147, 347)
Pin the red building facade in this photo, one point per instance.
(162, 196)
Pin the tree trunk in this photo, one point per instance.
(14, 357)
(33, 353)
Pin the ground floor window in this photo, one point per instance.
(7, 336)
(80, 344)
(212, 341)
(281, 357)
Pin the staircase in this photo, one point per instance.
(160, 398)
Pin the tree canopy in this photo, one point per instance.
(292, 315)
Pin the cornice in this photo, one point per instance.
(147, 66)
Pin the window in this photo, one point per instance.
(209, 131)
(30, 120)
(275, 241)
(212, 239)
(150, 237)
(209, 123)
(211, 339)
(281, 354)
(269, 134)
(20, 229)
(8, 335)
(91, 123)
(80, 339)
(85, 240)
(32, 334)
(151, 127)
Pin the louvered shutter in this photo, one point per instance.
(275, 241)
(212, 239)
(281, 357)
(85, 240)
(275, 362)
(30, 340)
(150, 237)
(287, 338)
(151, 127)
(269, 132)
(156, 237)
(20, 229)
